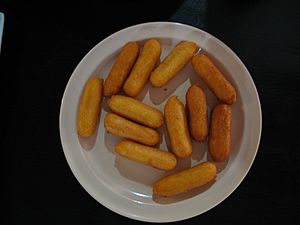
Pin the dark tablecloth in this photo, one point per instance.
(43, 43)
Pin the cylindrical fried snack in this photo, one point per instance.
(144, 65)
(176, 122)
(214, 79)
(136, 110)
(220, 133)
(121, 68)
(146, 155)
(89, 108)
(122, 127)
(173, 63)
(197, 111)
(185, 180)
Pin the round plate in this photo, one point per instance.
(125, 186)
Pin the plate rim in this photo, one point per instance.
(125, 213)
(1, 27)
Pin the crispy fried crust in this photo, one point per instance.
(214, 79)
(220, 133)
(144, 65)
(121, 68)
(135, 110)
(122, 127)
(146, 155)
(89, 108)
(185, 180)
(176, 122)
(173, 63)
(197, 111)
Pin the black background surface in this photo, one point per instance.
(43, 43)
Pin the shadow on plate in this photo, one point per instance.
(105, 106)
(199, 150)
(88, 143)
(182, 164)
(137, 172)
(220, 165)
(111, 141)
(143, 93)
(159, 95)
(163, 135)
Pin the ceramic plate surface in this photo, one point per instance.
(125, 186)
(1, 27)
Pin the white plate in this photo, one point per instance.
(125, 186)
(1, 27)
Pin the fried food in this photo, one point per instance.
(214, 79)
(121, 68)
(144, 65)
(185, 180)
(146, 155)
(173, 63)
(220, 133)
(122, 127)
(135, 110)
(176, 122)
(89, 108)
(197, 112)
